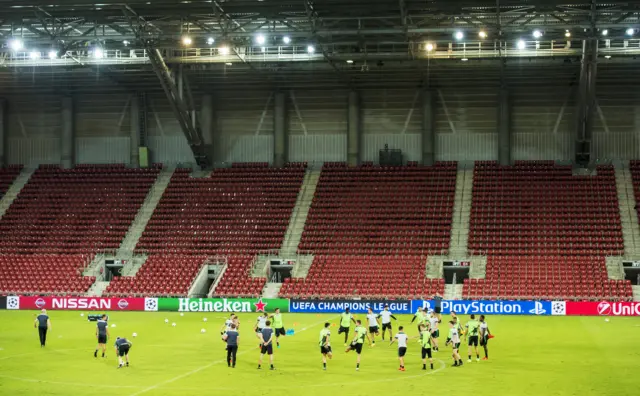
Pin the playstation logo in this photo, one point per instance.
(538, 309)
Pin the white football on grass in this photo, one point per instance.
(113, 325)
(204, 319)
(203, 330)
(173, 324)
(166, 321)
(135, 334)
(181, 313)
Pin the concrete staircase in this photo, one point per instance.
(434, 267)
(452, 292)
(628, 215)
(14, 189)
(97, 289)
(271, 290)
(144, 214)
(303, 264)
(300, 212)
(636, 293)
(133, 265)
(478, 268)
(614, 267)
(461, 214)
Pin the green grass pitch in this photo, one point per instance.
(529, 356)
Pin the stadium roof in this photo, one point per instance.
(74, 43)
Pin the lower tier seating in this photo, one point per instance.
(237, 280)
(376, 277)
(539, 277)
(44, 274)
(159, 276)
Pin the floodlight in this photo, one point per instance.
(16, 44)
(630, 31)
(260, 39)
(311, 49)
(429, 47)
(537, 34)
(286, 39)
(186, 40)
(521, 44)
(34, 55)
(482, 34)
(98, 53)
(53, 54)
(459, 35)
(224, 50)
(605, 32)
(210, 40)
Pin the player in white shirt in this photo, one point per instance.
(484, 337)
(374, 330)
(434, 321)
(386, 316)
(261, 323)
(227, 324)
(454, 338)
(402, 346)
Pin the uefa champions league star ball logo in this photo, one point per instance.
(13, 302)
(604, 308)
(150, 304)
(40, 303)
(123, 304)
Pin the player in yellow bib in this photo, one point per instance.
(345, 324)
(425, 342)
(473, 330)
(278, 326)
(358, 341)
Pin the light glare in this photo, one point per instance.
(53, 54)
(630, 32)
(186, 40)
(605, 32)
(286, 39)
(521, 44)
(224, 50)
(482, 34)
(34, 55)
(311, 49)
(98, 53)
(210, 40)
(16, 44)
(459, 35)
(429, 47)
(260, 39)
(567, 34)
(537, 34)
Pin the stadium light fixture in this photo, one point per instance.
(464, 59)
(211, 40)
(537, 34)
(482, 34)
(98, 53)
(286, 39)
(53, 54)
(16, 44)
(605, 32)
(607, 56)
(260, 39)
(429, 47)
(224, 50)
(630, 31)
(521, 44)
(567, 34)
(126, 43)
(349, 61)
(311, 49)
(459, 35)
(34, 55)
(228, 64)
(186, 40)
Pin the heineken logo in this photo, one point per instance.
(215, 305)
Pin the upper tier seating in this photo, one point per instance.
(240, 210)
(559, 277)
(381, 210)
(159, 276)
(71, 211)
(538, 208)
(375, 277)
(7, 177)
(39, 273)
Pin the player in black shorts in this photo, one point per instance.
(266, 337)
(325, 344)
(102, 334)
(122, 350)
(484, 337)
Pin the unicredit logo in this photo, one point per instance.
(123, 304)
(604, 308)
(40, 303)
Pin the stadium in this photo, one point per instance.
(319, 196)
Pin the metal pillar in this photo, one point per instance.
(586, 101)
(353, 129)
(207, 122)
(428, 128)
(504, 127)
(182, 111)
(280, 130)
(134, 137)
(67, 138)
(3, 132)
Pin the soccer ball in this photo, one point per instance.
(203, 331)
(135, 334)
(173, 324)
(82, 314)
(181, 313)
(166, 321)
(113, 325)
(204, 319)
(606, 319)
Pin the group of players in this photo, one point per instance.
(476, 332)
